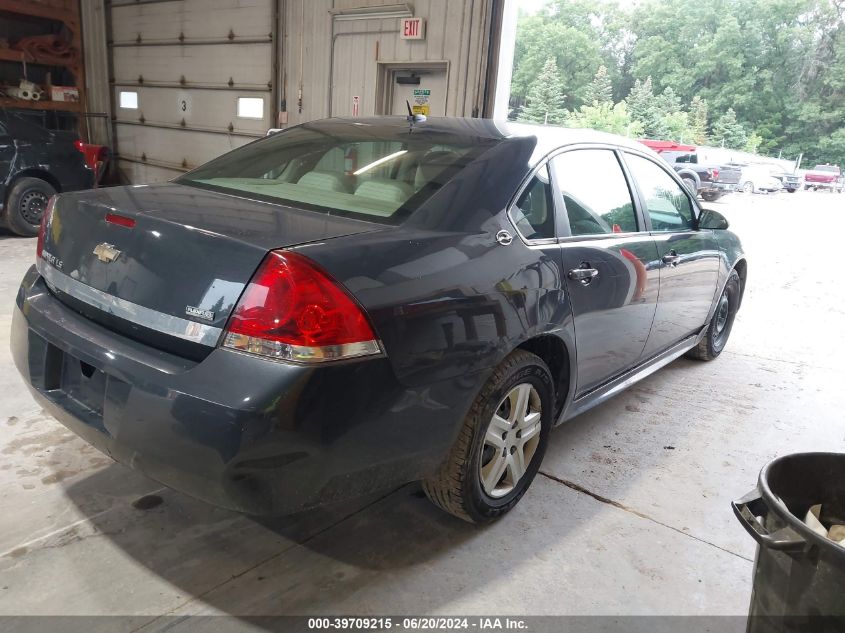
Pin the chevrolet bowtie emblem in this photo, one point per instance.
(106, 253)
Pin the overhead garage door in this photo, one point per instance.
(192, 79)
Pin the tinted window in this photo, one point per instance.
(533, 213)
(666, 202)
(595, 192)
(356, 172)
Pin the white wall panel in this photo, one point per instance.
(182, 102)
(456, 33)
(211, 64)
(195, 19)
(174, 146)
(202, 108)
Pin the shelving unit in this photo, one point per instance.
(66, 12)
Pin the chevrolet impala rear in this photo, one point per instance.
(188, 330)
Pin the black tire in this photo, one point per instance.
(457, 487)
(25, 205)
(791, 190)
(719, 329)
(711, 196)
(691, 185)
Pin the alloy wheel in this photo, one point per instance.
(511, 440)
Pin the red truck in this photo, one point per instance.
(824, 177)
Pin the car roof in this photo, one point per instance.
(547, 137)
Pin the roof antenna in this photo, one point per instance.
(413, 118)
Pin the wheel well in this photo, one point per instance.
(741, 268)
(554, 353)
(37, 173)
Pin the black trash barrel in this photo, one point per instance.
(799, 575)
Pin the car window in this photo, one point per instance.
(533, 214)
(354, 174)
(594, 191)
(666, 202)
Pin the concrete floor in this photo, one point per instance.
(652, 534)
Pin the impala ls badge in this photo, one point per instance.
(199, 313)
(106, 253)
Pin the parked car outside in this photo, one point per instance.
(759, 179)
(708, 178)
(35, 164)
(350, 305)
(827, 177)
(792, 181)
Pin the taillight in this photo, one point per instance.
(293, 310)
(45, 220)
(715, 174)
(78, 144)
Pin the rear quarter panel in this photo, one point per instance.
(731, 252)
(449, 305)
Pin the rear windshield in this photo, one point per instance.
(342, 169)
(831, 168)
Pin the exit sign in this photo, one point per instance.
(412, 29)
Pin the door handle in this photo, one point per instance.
(583, 274)
(671, 258)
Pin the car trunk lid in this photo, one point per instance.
(167, 263)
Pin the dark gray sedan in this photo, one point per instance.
(350, 305)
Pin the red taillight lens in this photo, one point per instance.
(45, 220)
(715, 174)
(78, 144)
(293, 310)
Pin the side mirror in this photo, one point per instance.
(711, 219)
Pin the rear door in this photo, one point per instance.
(688, 257)
(609, 263)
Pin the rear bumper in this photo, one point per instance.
(253, 435)
(720, 187)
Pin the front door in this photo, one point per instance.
(688, 257)
(609, 262)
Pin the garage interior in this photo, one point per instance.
(630, 514)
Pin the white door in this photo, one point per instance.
(425, 90)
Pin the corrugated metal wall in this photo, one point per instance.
(189, 61)
(324, 52)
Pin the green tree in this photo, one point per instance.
(752, 143)
(600, 90)
(698, 120)
(642, 107)
(545, 97)
(779, 65)
(728, 132)
(605, 117)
